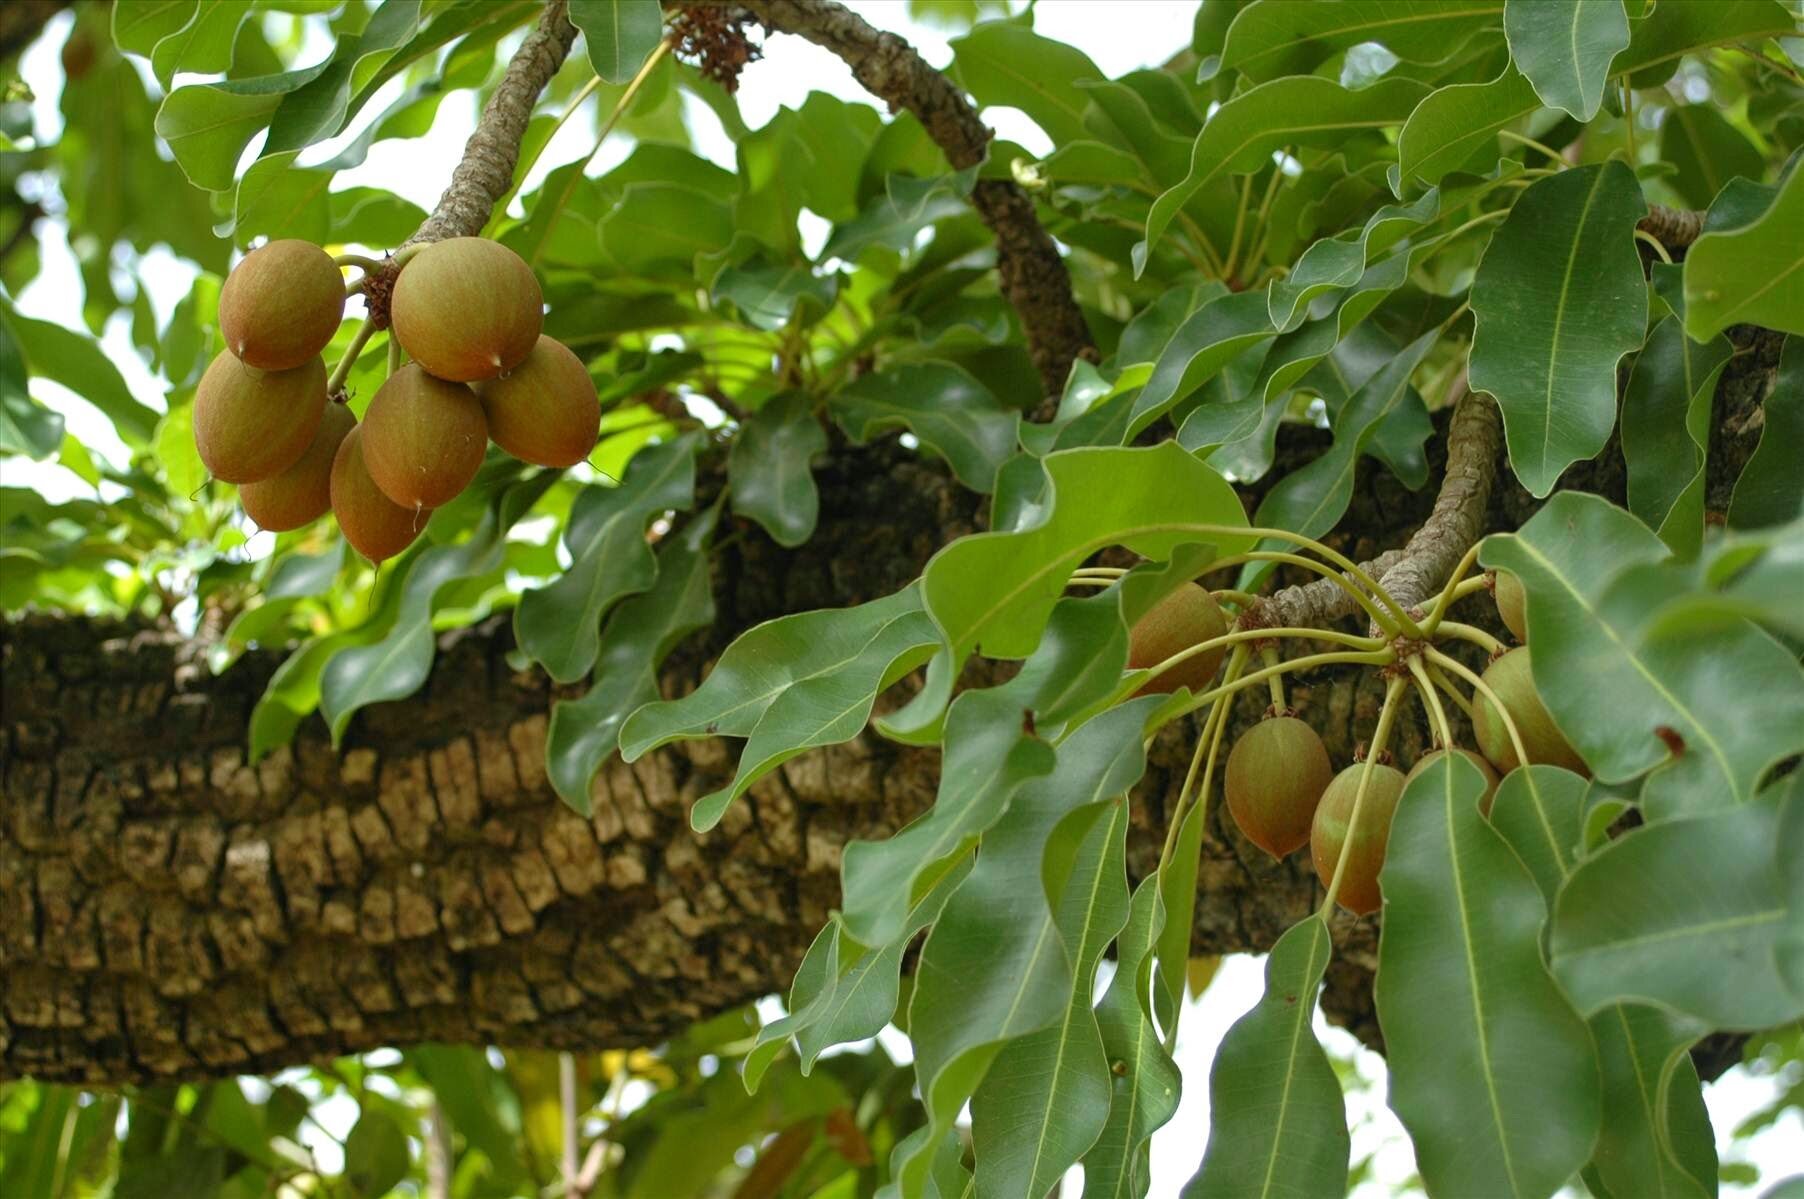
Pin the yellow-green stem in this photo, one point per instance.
(1483, 688)
(1269, 656)
(1431, 703)
(1450, 592)
(1380, 738)
(368, 266)
(1532, 144)
(1653, 242)
(1452, 692)
(336, 383)
(1476, 636)
(1381, 657)
(1237, 636)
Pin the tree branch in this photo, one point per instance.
(1031, 271)
(1676, 228)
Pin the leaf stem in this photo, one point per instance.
(1381, 736)
(368, 266)
(1240, 218)
(1453, 693)
(1642, 235)
(1476, 636)
(1218, 715)
(1335, 658)
(1450, 591)
(1431, 703)
(1239, 636)
(1532, 144)
(336, 382)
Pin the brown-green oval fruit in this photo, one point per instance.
(423, 438)
(303, 493)
(545, 410)
(1276, 774)
(1182, 619)
(376, 526)
(250, 424)
(1359, 885)
(1510, 677)
(1512, 603)
(281, 305)
(1484, 768)
(467, 308)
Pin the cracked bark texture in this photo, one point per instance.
(1030, 270)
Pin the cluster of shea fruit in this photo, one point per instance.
(467, 312)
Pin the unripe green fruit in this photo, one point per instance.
(1186, 617)
(250, 424)
(1510, 677)
(423, 438)
(376, 526)
(1512, 603)
(302, 493)
(1276, 774)
(1484, 768)
(281, 305)
(467, 309)
(1365, 857)
(545, 410)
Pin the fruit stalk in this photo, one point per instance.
(1483, 688)
(342, 371)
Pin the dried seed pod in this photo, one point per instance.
(545, 410)
(376, 526)
(302, 493)
(1276, 774)
(281, 305)
(1186, 617)
(250, 424)
(1359, 885)
(467, 309)
(423, 438)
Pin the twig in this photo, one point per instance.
(1675, 227)
(1032, 274)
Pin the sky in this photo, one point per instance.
(1119, 35)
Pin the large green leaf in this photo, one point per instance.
(1559, 299)
(620, 34)
(1339, 262)
(1270, 38)
(1492, 1072)
(759, 666)
(1676, 28)
(1278, 1124)
(77, 362)
(1666, 431)
(1656, 1137)
(1009, 65)
(1753, 274)
(639, 635)
(824, 710)
(559, 624)
(1209, 339)
(1565, 49)
(995, 967)
(770, 469)
(1588, 642)
(943, 405)
(1540, 810)
(1707, 151)
(26, 426)
(1300, 111)
(1753, 576)
(1684, 914)
(1457, 126)
(376, 1154)
(1045, 1099)
(203, 45)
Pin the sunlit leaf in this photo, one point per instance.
(951, 412)
(1753, 274)
(1273, 38)
(620, 34)
(1565, 49)
(1005, 64)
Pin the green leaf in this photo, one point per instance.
(1559, 299)
(638, 637)
(138, 27)
(768, 295)
(659, 229)
(1753, 274)
(203, 45)
(559, 624)
(1770, 490)
(1588, 642)
(620, 34)
(944, 406)
(760, 665)
(64, 356)
(1146, 1081)
(1743, 576)
(1656, 1137)
(1666, 431)
(397, 665)
(1277, 1120)
(1456, 127)
(1302, 111)
(994, 968)
(1208, 340)
(1676, 28)
(1684, 914)
(893, 218)
(183, 471)
(481, 1103)
(770, 469)
(1272, 38)
(824, 710)
(1492, 1072)
(26, 426)
(988, 758)
(1312, 500)
(1540, 811)
(1339, 262)
(1046, 1098)
(1565, 49)
(1707, 151)
(1004, 64)
(376, 1154)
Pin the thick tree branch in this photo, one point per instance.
(1032, 273)
(486, 170)
(1675, 228)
